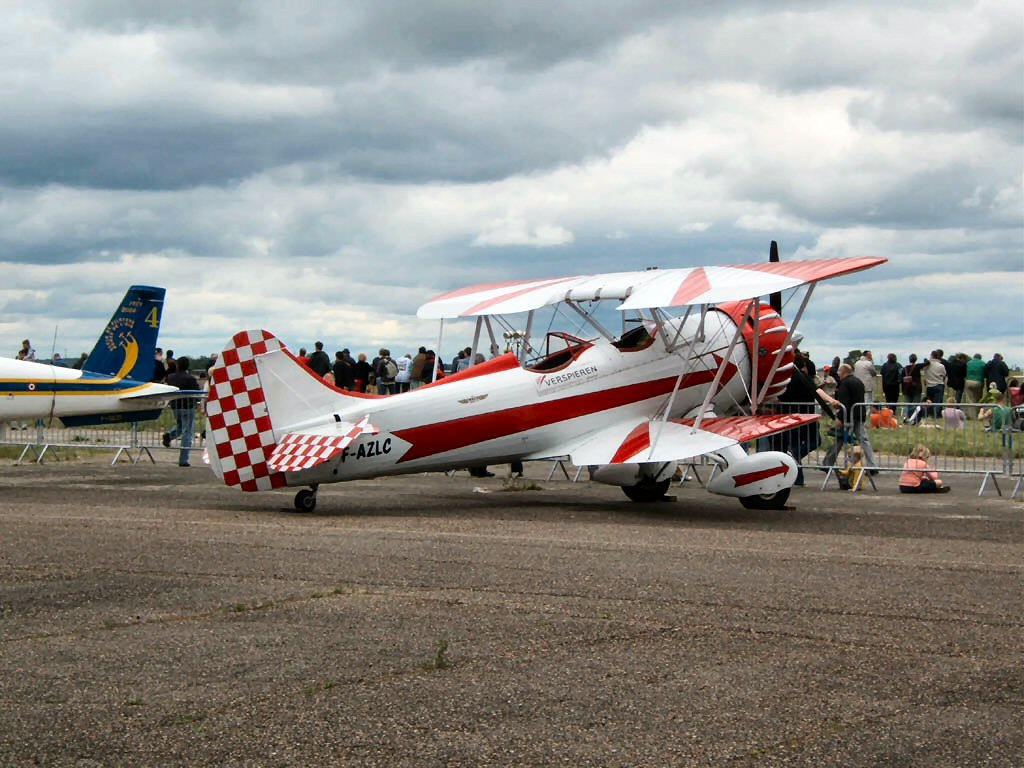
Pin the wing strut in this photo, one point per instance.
(590, 319)
(526, 337)
(755, 352)
(490, 332)
(679, 379)
(787, 341)
(721, 368)
(476, 337)
(437, 354)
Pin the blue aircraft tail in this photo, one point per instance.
(125, 348)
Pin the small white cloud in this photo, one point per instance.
(769, 222)
(518, 232)
(974, 200)
(695, 226)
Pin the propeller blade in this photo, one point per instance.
(775, 299)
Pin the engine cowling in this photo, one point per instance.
(771, 335)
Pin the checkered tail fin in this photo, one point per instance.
(264, 410)
(238, 416)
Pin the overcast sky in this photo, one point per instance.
(322, 169)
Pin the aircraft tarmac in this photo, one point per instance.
(151, 615)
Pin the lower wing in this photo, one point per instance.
(637, 442)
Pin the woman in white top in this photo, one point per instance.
(404, 369)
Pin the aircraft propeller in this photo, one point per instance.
(775, 299)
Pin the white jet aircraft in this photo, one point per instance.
(628, 406)
(114, 383)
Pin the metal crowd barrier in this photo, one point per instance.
(959, 443)
(970, 448)
(132, 441)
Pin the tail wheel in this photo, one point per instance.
(305, 500)
(647, 490)
(775, 500)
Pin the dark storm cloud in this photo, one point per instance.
(314, 41)
(133, 15)
(362, 156)
(448, 91)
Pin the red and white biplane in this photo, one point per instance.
(668, 387)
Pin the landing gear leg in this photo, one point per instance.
(648, 490)
(305, 500)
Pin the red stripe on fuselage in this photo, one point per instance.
(431, 439)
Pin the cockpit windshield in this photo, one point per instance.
(637, 338)
(559, 350)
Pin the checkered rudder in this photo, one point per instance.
(237, 414)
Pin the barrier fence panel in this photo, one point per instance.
(134, 440)
(960, 438)
(963, 438)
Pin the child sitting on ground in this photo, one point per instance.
(953, 417)
(918, 477)
(883, 419)
(919, 413)
(851, 477)
(999, 414)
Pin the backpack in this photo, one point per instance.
(387, 369)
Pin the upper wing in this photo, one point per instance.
(642, 441)
(649, 288)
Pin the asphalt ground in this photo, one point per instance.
(150, 616)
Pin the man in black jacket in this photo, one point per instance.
(956, 375)
(850, 395)
(319, 362)
(799, 397)
(344, 378)
(184, 409)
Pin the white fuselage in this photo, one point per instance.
(514, 412)
(31, 390)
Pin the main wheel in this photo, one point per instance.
(305, 500)
(775, 500)
(647, 490)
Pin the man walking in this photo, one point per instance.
(850, 395)
(183, 408)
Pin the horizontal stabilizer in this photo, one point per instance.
(164, 396)
(297, 451)
(117, 417)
